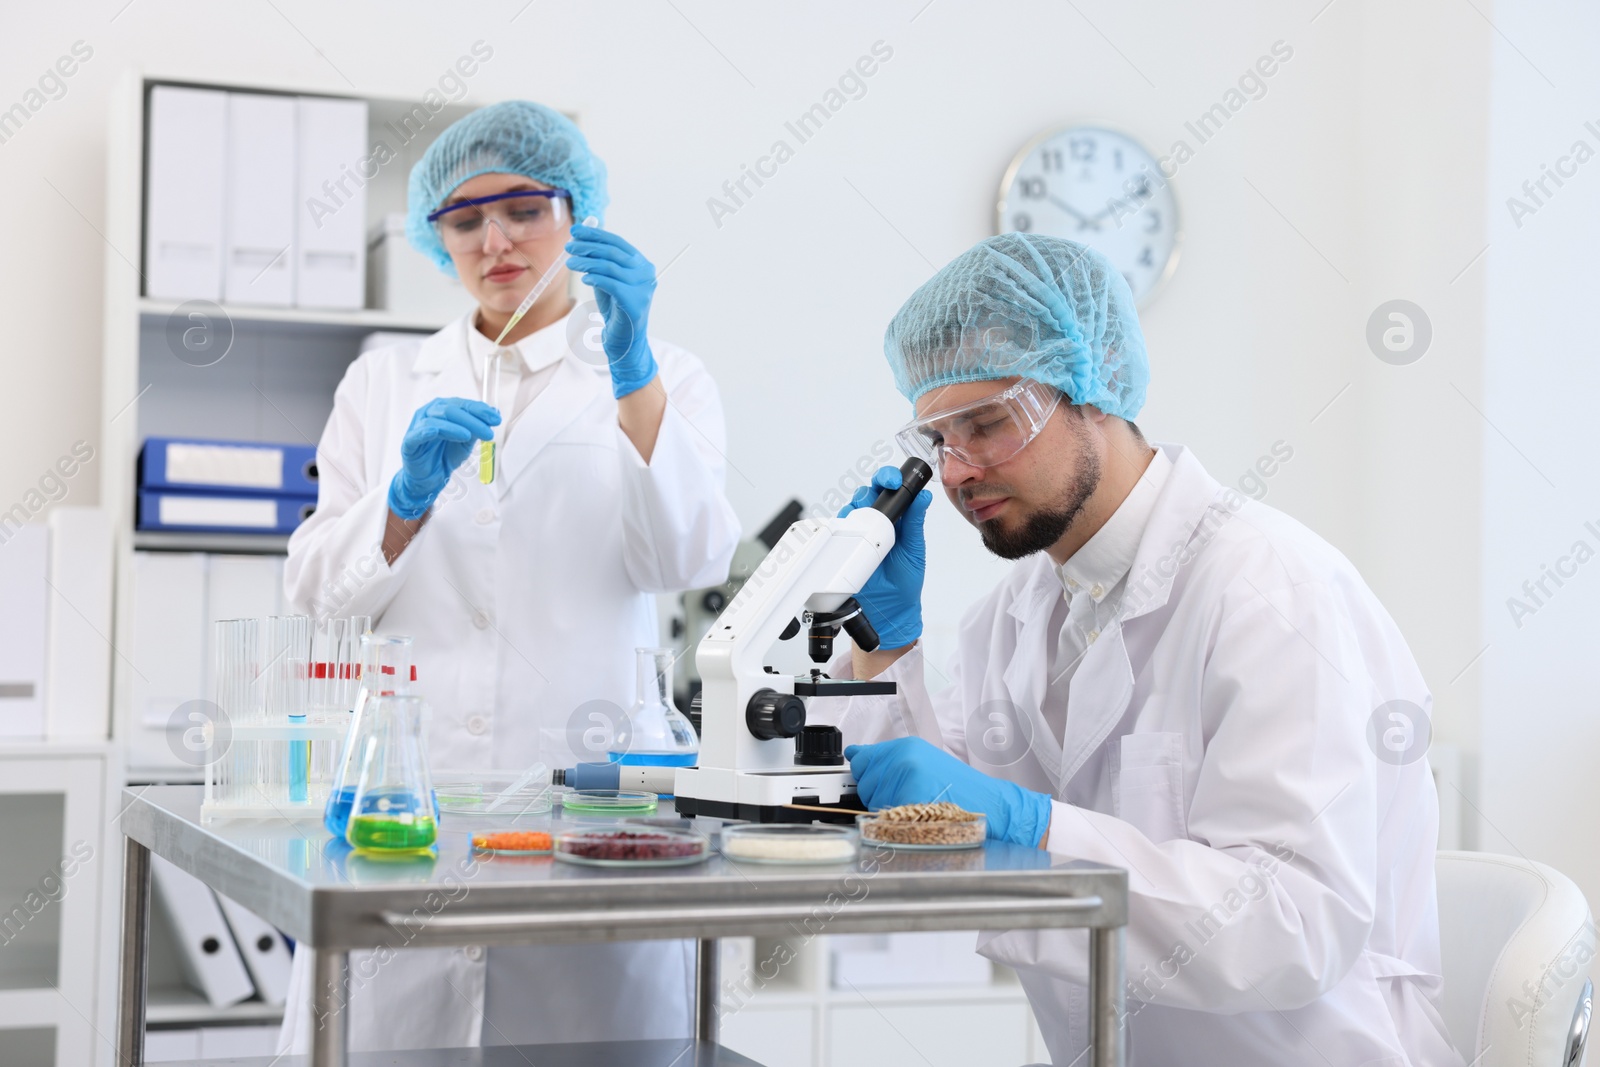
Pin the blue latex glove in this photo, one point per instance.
(438, 441)
(623, 282)
(892, 597)
(908, 770)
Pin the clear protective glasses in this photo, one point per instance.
(985, 432)
(523, 215)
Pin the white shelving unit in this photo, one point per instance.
(360, 322)
(216, 543)
(58, 894)
(275, 383)
(799, 1018)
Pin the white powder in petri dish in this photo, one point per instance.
(793, 848)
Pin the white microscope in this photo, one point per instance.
(758, 759)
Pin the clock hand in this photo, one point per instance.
(1135, 204)
(1112, 204)
(1083, 223)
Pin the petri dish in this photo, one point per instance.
(608, 802)
(631, 846)
(939, 827)
(471, 793)
(512, 843)
(789, 843)
(965, 859)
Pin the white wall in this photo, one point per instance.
(1541, 381)
(1359, 177)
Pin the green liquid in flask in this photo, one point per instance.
(390, 833)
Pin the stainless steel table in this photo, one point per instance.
(332, 900)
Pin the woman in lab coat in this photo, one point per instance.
(527, 596)
(1173, 680)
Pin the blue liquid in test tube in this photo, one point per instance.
(299, 764)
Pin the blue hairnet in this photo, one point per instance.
(1024, 305)
(511, 137)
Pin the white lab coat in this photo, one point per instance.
(526, 599)
(1282, 905)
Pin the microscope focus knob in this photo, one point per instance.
(771, 714)
(819, 746)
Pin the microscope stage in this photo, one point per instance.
(764, 796)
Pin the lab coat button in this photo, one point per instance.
(473, 952)
(480, 619)
(477, 725)
(1098, 591)
(485, 516)
(1094, 635)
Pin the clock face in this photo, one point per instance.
(1101, 188)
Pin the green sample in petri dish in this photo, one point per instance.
(609, 802)
(393, 833)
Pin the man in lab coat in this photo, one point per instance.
(1173, 680)
(526, 596)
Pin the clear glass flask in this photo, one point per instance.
(393, 808)
(655, 733)
(385, 670)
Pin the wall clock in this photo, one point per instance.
(1102, 188)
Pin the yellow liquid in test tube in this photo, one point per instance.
(491, 365)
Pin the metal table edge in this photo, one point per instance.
(346, 916)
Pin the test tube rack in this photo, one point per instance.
(284, 689)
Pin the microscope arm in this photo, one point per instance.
(816, 567)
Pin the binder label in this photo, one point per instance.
(224, 465)
(218, 511)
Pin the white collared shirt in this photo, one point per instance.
(1093, 581)
(525, 368)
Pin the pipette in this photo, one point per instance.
(523, 781)
(491, 361)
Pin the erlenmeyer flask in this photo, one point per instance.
(393, 806)
(656, 733)
(385, 670)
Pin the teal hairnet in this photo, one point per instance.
(511, 137)
(1028, 306)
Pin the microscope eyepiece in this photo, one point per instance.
(914, 476)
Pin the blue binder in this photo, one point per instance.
(198, 465)
(222, 512)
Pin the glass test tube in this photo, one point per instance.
(491, 396)
(334, 675)
(288, 654)
(235, 693)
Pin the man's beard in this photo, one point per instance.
(1044, 528)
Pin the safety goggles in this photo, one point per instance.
(985, 432)
(524, 215)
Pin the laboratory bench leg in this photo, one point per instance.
(707, 977)
(1107, 1033)
(133, 965)
(329, 1025)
